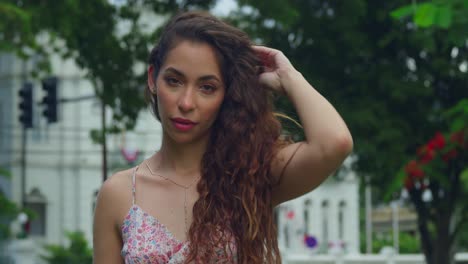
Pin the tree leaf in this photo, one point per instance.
(458, 125)
(425, 15)
(402, 12)
(443, 17)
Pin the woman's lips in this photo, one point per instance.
(183, 124)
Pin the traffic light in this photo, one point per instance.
(26, 105)
(50, 101)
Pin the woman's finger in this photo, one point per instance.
(266, 55)
(271, 57)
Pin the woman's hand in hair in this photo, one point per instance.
(277, 69)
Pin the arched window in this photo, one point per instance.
(36, 202)
(341, 217)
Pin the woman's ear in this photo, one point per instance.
(152, 79)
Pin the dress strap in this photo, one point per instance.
(134, 184)
(287, 162)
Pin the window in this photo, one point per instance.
(36, 202)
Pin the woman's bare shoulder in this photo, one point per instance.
(115, 195)
(117, 185)
(114, 198)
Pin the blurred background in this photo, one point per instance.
(72, 75)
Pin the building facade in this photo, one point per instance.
(324, 221)
(63, 166)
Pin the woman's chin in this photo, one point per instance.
(186, 139)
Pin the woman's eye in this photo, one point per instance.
(172, 81)
(207, 88)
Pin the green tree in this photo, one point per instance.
(439, 223)
(437, 183)
(391, 80)
(436, 13)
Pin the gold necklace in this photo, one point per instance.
(185, 187)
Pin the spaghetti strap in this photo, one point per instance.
(134, 185)
(287, 162)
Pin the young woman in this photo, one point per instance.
(207, 196)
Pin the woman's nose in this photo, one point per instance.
(187, 100)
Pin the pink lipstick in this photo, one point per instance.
(183, 124)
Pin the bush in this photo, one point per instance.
(408, 243)
(77, 253)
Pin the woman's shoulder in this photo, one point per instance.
(120, 182)
(115, 194)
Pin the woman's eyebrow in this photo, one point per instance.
(181, 74)
(210, 77)
(174, 71)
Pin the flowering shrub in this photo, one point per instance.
(434, 159)
(437, 183)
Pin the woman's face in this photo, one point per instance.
(190, 90)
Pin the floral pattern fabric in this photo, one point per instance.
(146, 240)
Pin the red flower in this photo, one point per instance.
(413, 170)
(437, 142)
(427, 155)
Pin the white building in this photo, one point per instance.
(329, 215)
(64, 166)
(63, 171)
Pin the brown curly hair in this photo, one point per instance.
(236, 184)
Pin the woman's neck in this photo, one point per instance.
(182, 159)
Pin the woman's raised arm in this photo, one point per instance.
(302, 166)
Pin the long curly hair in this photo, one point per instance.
(235, 202)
